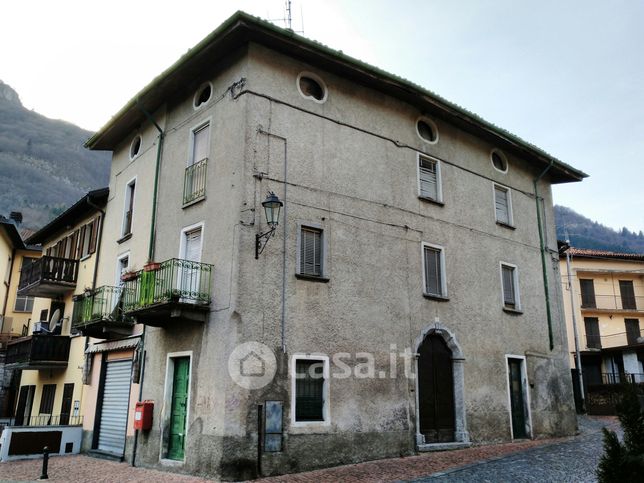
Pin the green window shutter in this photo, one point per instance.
(428, 178)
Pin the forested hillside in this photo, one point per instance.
(44, 167)
(585, 233)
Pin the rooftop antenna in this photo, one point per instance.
(288, 17)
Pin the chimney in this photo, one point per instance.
(16, 216)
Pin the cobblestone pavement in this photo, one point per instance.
(570, 461)
(563, 459)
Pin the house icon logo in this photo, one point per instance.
(252, 365)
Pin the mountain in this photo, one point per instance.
(585, 233)
(44, 167)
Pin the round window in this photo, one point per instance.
(498, 161)
(203, 94)
(135, 147)
(427, 130)
(311, 87)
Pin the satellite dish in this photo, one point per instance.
(55, 319)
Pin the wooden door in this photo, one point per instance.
(176, 444)
(436, 390)
(628, 295)
(66, 408)
(517, 401)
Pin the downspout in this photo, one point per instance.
(543, 254)
(6, 295)
(575, 332)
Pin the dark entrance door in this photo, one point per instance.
(517, 402)
(436, 390)
(25, 401)
(66, 408)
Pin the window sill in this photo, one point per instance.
(438, 298)
(85, 257)
(512, 311)
(193, 202)
(431, 200)
(311, 278)
(506, 225)
(124, 238)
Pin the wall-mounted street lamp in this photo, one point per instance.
(272, 207)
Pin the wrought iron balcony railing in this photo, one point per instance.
(194, 183)
(619, 339)
(172, 281)
(48, 276)
(38, 351)
(103, 305)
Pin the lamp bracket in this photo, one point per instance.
(259, 244)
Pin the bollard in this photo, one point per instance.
(45, 462)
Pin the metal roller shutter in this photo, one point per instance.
(116, 395)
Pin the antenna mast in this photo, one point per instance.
(288, 15)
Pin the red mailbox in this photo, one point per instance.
(143, 415)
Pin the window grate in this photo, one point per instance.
(309, 390)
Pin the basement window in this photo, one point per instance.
(427, 130)
(499, 161)
(203, 95)
(135, 147)
(311, 87)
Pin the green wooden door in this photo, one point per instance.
(179, 408)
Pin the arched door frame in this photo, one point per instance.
(460, 431)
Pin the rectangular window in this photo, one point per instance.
(128, 214)
(503, 205)
(429, 178)
(434, 270)
(593, 340)
(309, 390)
(510, 283)
(86, 241)
(310, 252)
(632, 330)
(627, 294)
(194, 183)
(587, 293)
(47, 399)
(23, 304)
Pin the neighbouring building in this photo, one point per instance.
(409, 226)
(608, 304)
(16, 310)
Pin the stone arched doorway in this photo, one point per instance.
(440, 410)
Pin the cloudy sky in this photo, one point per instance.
(566, 76)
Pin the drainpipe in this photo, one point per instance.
(575, 331)
(100, 238)
(543, 253)
(6, 295)
(136, 431)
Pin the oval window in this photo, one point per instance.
(135, 147)
(311, 87)
(203, 94)
(498, 161)
(427, 130)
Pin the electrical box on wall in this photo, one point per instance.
(143, 415)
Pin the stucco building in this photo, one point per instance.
(407, 300)
(608, 304)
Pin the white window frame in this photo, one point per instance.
(167, 404)
(326, 410)
(182, 240)
(439, 182)
(442, 267)
(508, 190)
(126, 205)
(191, 144)
(323, 246)
(526, 392)
(118, 266)
(515, 283)
(25, 302)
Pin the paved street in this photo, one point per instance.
(560, 460)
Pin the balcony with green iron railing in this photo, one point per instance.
(99, 313)
(168, 292)
(194, 182)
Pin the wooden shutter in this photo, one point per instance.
(428, 178)
(47, 398)
(81, 238)
(92, 241)
(632, 330)
(311, 251)
(433, 272)
(587, 293)
(502, 205)
(508, 286)
(627, 294)
(593, 339)
(73, 251)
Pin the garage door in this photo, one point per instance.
(111, 437)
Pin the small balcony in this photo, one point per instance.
(48, 277)
(613, 303)
(194, 182)
(38, 351)
(169, 292)
(100, 314)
